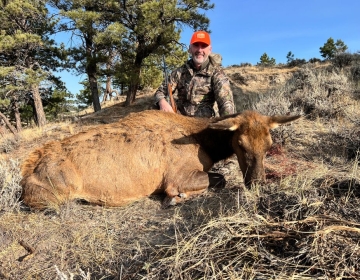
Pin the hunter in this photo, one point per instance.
(197, 84)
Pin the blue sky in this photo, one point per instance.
(242, 30)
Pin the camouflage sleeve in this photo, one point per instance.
(223, 94)
(162, 91)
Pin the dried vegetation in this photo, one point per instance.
(304, 223)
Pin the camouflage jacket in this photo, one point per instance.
(195, 92)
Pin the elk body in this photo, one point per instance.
(146, 153)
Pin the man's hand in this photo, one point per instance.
(165, 106)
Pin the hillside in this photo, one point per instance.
(303, 223)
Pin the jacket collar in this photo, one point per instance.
(204, 69)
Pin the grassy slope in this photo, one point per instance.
(303, 223)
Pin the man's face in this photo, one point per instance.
(199, 53)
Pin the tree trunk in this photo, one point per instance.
(31, 102)
(39, 109)
(131, 94)
(6, 120)
(15, 109)
(91, 71)
(122, 88)
(134, 85)
(94, 89)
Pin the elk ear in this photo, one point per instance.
(275, 121)
(226, 124)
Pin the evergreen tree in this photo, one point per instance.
(84, 97)
(332, 48)
(96, 35)
(27, 55)
(340, 47)
(265, 60)
(290, 57)
(292, 61)
(57, 101)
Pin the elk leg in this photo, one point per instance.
(197, 183)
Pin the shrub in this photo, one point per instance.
(314, 60)
(296, 62)
(355, 73)
(244, 64)
(319, 92)
(342, 60)
(9, 144)
(316, 93)
(10, 189)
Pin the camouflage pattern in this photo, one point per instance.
(196, 92)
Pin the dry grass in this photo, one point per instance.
(304, 223)
(9, 186)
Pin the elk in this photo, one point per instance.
(146, 153)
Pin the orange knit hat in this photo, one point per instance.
(200, 37)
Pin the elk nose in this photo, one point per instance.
(250, 180)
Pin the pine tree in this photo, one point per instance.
(27, 55)
(340, 47)
(100, 37)
(265, 60)
(332, 48)
(290, 57)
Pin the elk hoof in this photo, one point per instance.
(182, 195)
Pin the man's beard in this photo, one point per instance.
(199, 60)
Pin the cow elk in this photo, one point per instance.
(146, 153)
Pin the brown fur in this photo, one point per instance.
(145, 153)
